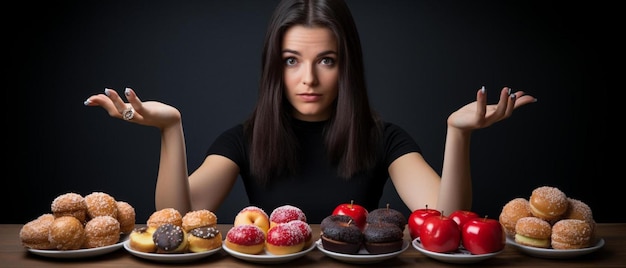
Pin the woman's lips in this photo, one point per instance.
(310, 97)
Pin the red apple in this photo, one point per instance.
(440, 234)
(483, 235)
(416, 219)
(462, 216)
(358, 213)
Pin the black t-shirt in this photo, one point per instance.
(317, 190)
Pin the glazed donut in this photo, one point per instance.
(67, 233)
(340, 234)
(101, 231)
(382, 237)
(571, 234)
(533, 232)
(170, 238)
(306, 230)
(140, 239)
(286, 213)
(126, 217)
(253, 215)
(34, 234)
(548, 203)
(387, 214)
(198, 218)
(163, 216)
(512, 211)
(70, 204)
(247, 238)
(284, 239)
(203, 239)
(100, 204)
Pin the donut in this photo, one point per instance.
(70, 204)
(340, 234)
(101, 231)
(548, 203)
(67, 233)
(253, 215)
(100, 204)
(286, 213)
(571, 234)
(170, 238)
(198, 218)
(284, 239)
(34, 234)
(382, 237)
(247, 238)
(140, 239)
(306, 230)
(533, 232)
(204, 238)
(512, 211)
(126, 217)
(387, 214)
(163, 216)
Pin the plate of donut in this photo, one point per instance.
(171, 258)
(550, 253)
(268, 258)
(79, 253)
(460, 256)
(363, 256)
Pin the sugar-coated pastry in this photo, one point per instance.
(66, 233)
(548, 203)
(512, 211)
(284, 238)
(140, 239)
(126, 216)
(170, 238)
(286, 213)
(533, 232)
(198, 218)
(571, 234)
(306, 230)
(100, 204)
(247, 238)
(34, 234)
(205, 238)
(163, 216)
(70, 204)
(253, 215)
(101, 231)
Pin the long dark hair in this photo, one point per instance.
(352, 132)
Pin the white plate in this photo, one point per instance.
(362, 256)
(460, 256)
(268, 258)
(163, 257)
(555, 253)
(78, 253)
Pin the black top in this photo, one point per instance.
(318, 189)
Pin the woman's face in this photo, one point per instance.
(311, 71)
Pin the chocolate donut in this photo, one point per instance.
(340, 234)
(170, 238)
(203, 239)
(382, 237)
(387, 214)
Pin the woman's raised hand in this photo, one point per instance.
(148, 113)
(478, 114)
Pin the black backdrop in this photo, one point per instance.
(424, 59)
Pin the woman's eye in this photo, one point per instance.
(327, 61)
(291, 61)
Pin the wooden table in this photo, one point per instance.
(613, 254)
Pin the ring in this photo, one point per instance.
(128, 114)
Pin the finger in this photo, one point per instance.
(511, 104)
(119, 104)
(481, 102)
(502, 103)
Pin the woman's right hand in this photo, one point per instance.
(149, 113)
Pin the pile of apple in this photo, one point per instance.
(461, 228)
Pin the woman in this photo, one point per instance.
(312, 140)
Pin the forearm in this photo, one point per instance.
(172, 188)
(456, 184)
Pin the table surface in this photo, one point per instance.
(612, 254)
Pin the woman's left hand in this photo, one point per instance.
(478, 114)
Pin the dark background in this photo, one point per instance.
(424, 59)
